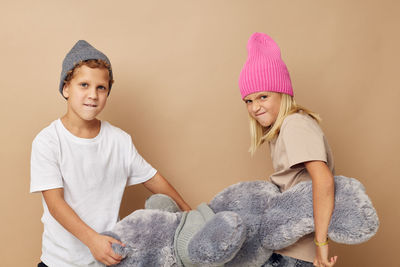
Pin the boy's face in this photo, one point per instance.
(87, 92)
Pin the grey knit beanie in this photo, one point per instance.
(81, 51)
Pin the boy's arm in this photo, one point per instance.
(158, 184)
(99, 245)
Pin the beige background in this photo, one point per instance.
(176, 66)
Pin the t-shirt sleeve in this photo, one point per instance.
(303, 140)
(139, 170)
(45, 169)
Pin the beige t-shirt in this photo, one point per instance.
(300, 140)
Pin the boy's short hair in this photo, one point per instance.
(91, 63)
(82, 51)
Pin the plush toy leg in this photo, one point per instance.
(161, 202)
(290, 215)
(219, 240)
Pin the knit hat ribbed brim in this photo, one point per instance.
(264, 69)
(81, 51)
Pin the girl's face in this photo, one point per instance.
(264, 107)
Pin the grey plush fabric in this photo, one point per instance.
(354, 220)
(249, 200)
(149, 238)
(288, 216)
(251, 220)
(218, 241)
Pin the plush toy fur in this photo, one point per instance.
(241, 226)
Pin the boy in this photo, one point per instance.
(82, 166)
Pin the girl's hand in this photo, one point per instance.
(101, 249)
(321, 257)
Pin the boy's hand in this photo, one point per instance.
(100, 247)
(321, 258)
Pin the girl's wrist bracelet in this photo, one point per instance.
(321, 244)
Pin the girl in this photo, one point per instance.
(299, 149)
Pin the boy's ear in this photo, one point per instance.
(65, 91)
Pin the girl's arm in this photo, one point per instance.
(99, 245)
(323, 188)
(158, 184)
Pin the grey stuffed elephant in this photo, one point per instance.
(241, 226)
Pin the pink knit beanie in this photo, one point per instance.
(264, 69)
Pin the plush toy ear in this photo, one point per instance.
(161, 202)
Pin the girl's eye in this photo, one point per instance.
(84, 85)
(102, 88)
(247, 101)
(263, 97)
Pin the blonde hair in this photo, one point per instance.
(260, 134)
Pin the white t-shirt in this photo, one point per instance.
(94, 173)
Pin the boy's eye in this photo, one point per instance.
(84, 84)
(102, 88)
